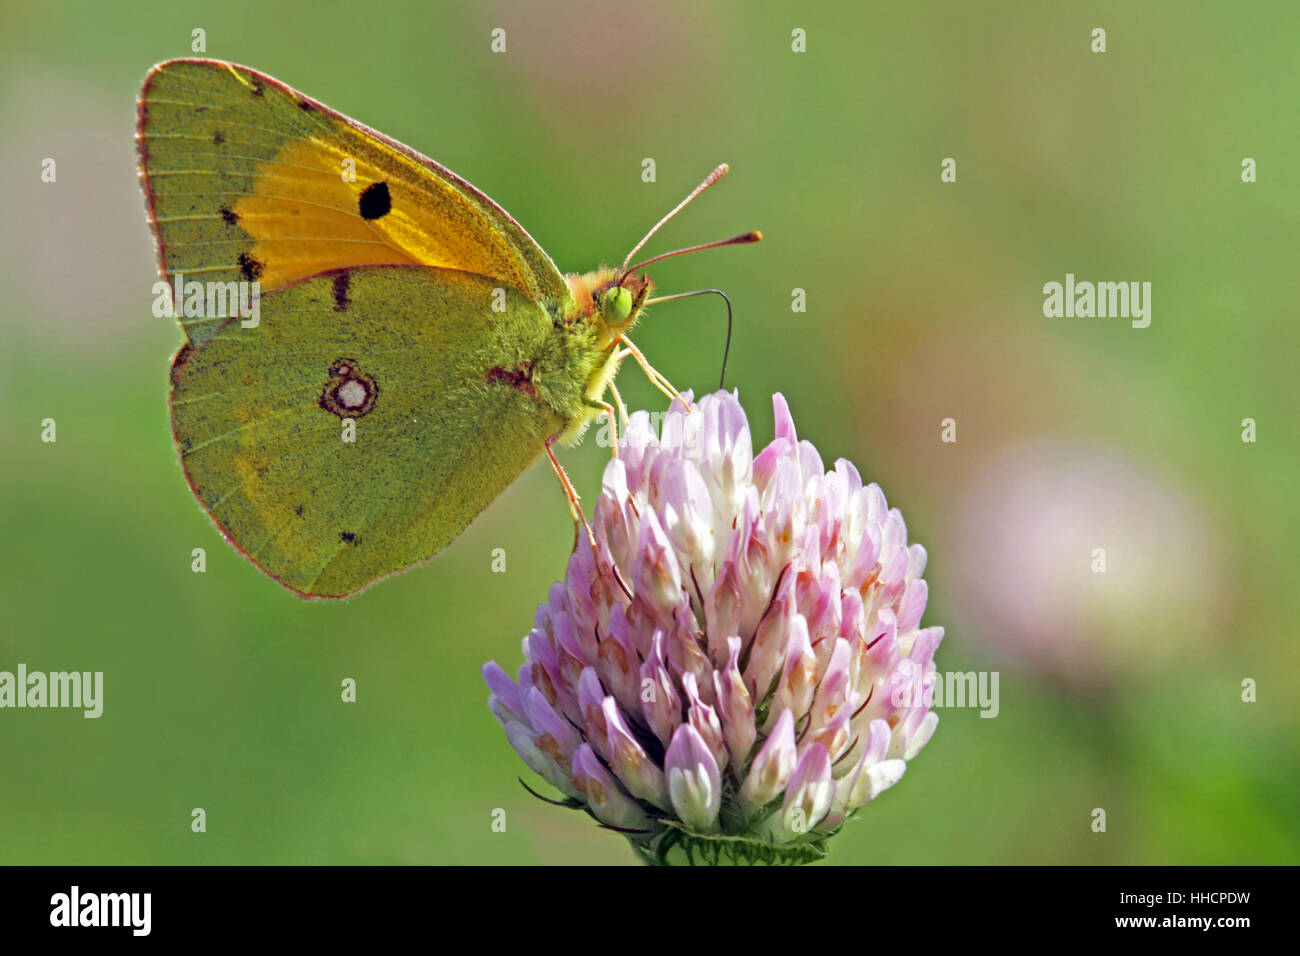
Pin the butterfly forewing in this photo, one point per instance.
(249, 180)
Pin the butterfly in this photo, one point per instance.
(374, 348)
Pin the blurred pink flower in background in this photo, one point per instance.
(1033, 531)
(559, 47)
(738, 667)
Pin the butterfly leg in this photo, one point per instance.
(656, 378)
(571, 493)
(618, 400)
(608, 409)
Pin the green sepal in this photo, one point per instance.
(675, 845)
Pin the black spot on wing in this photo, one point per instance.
(250, 267)
(348, 536)
(341, 283)
(218, 137)
(230, 217)
(375, 201)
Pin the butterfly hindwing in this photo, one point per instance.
(247, 179)
(364, 421)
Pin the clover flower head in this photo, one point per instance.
(738, 665)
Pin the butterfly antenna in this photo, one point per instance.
(709, 180)
(740, 240)
(722, 379)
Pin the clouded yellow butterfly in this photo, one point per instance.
(414, 350)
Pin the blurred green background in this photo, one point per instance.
(1120, 691)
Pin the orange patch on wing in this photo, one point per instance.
(304, 218)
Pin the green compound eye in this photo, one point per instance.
(617, 305)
